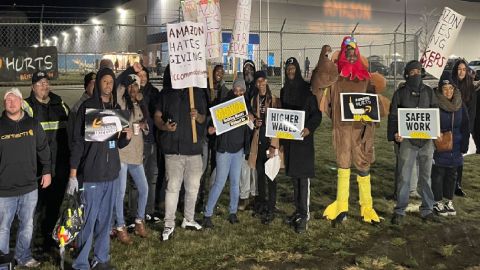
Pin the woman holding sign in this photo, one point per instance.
(454, 125)
(260, 146)
(231, 147)
(300, 155)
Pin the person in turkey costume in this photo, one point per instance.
(353, 141)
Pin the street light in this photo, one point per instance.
(95, 21)
(122, 12)
(65, 35)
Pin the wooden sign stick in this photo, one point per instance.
(192, 106)
(210, 82)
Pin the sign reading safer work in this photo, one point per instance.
(359, 107)
(285, 124)
(419, 123)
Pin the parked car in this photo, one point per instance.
(475, 66)
(378, 67)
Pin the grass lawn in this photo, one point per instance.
(453, 244)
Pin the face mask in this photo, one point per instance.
(414, 81)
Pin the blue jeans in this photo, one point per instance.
(24, 207)
(98, 199)
(408, 156)
(138, 175)
(228, 164)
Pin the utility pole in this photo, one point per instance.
(405, 33)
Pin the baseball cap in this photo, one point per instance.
(14, 91)
(37, 76)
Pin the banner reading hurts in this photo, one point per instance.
(419, 123)
(229, 115)
(284, 124)
(103, 125)
(186, 48)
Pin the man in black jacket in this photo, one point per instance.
(22, 143)
(97, 166)
(183, 158)
(52, 113)
(414, 94)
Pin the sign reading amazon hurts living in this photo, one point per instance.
(18, 64)
(229, 115)
(419, 123)
(284, 124)
(360, 107)
(186, 48)
(103, 125)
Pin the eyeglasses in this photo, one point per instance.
(40, 83)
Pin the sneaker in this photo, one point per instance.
(431, 218)
(167, 233)
(290, 220)
(449, 208)
(397, 219)
(232, 218)
(32, 263)
(439, 209)
(152, 219)
(242, 204)
(301, 225)
(459, 192)
(191, 225)
(101, 266)
(207, 223)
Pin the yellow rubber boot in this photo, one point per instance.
(341, 204)
(366, 202)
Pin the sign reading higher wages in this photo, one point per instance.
(419, 123)
(285, 124)
(229, 115)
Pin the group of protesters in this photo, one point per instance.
(43, 154)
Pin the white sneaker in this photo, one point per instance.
(167, 232)
(32, 263)
(449, 208)
(191, 225)
(439, 209)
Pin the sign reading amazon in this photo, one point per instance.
(359, 107)
(18, 64)
(419, 123)
(103, 125)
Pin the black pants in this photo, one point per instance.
(264, 181)
(443, 182)
(151, 172)
(300, 195)
(458, 183)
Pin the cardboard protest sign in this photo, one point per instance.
(209, 15)
(186, 48)
(103, 125)
(19, 63)
(285, 124)
(241, 30)
(435, 57)
(359, 107)
(229, 115)
(189, 9)
(419, 123)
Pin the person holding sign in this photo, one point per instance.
(353, 141)
(299, 155)
(96, 165)
(263, 148)
(413, 94)
(453, 120)
(131, 158)
(183, 157)
(230, 150)
(464, 81)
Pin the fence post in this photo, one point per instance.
(282, 66)
(394, 60)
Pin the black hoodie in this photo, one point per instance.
(96, 161)
(22, 144)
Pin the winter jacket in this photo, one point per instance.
(23, 145)
(174, 104)
(53, 117)
(406, 97)
(299, 156)
(133, 152)
(96, 161)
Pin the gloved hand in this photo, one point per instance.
(72, 186)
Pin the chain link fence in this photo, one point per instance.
(81, 46)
